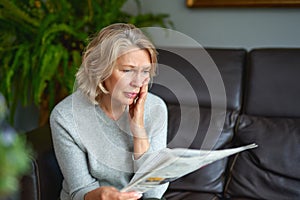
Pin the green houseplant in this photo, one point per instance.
(14, 155)
(42, 41)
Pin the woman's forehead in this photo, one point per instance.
(135, 58)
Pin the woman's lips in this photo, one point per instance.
(131, 95)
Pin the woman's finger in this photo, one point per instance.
(130, 195)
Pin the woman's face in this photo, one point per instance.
(131, 72)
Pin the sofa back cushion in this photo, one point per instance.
(209, 178)
(273, 84)
(192, 123)
(271, 118)
(198, 67)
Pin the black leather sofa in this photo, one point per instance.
(262, 105)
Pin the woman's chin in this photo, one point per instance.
(128, 102)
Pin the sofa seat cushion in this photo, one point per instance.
(270, 171)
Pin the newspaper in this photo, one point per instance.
(170, 164)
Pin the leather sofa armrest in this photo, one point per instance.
(45, 179)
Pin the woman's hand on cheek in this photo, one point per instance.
(136, 110)
(111, 193)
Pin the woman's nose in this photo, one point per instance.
(137, 80)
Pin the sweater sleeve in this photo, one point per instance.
(71, 158)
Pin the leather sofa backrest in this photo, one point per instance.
(273, 83)
(187, 128)
(198, 67)
(270, 118)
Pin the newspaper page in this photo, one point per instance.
(170, 164)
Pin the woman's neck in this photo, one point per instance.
(112, 109)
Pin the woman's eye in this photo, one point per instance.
(126, 70)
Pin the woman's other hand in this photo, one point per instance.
(111, 193)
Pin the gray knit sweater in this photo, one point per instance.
(93, 150)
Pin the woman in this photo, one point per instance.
(104, 131)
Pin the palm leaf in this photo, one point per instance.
(42, 41)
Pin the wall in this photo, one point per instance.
(230, 27)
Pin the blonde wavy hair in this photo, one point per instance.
(101, 54)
